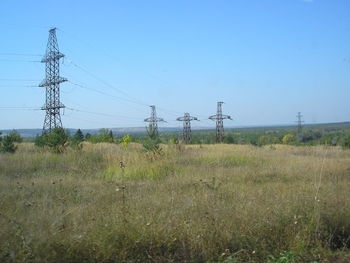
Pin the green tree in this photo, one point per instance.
(78, 136)
(40, 140)
(264, 140)
(346, 142)
(151, 144)
(56, 140)
(229, 139)
(15, 136)
(125, 141)
(7, 145)
(288, 138)
(173, 140)
(87, 136)
(76, 140)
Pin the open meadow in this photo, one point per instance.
(196, 203)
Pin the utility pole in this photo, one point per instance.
(187, 118)
(153, 122)
(219, 118)
(299, 122)
(52, 82)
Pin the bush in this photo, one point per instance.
(125, 141)
(346, 142)
(151, 144)
(229, 139)
(15, 136)
(288, 138)
(78, 136)
(76, 140)
(56, 140)
(105, 135)
(7, 144)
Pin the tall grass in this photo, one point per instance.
(217, 203)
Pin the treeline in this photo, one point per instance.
(59, 139)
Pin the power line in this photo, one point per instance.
(11, 60)
(19, 108)
(20, 54)
(108, 54)
(102, 114)
(19, 79)
(107, 84)
(18, 86)
(174, 113)
(105, 93)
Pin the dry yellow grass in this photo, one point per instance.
(211, 203)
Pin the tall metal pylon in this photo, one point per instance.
(187, 118)
(153, 121)
(219, 118)
(299, 123)
(52, 82)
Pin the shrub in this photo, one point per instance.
(229, 139)
(346, 143)
(56, 140)
(15, 136)
(77, 139)
(288, 138)
(105, 135)
(151, 144)
(7, 144)
(78, 136)
(125, 141)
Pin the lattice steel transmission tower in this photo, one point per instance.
(52, 82)
(299, 123)
(187, 118)
(153, 122)
(219, 118)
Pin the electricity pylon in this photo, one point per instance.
(187, 118)
(299, 122)
(52, 82)
(219, 118)
(153, 122)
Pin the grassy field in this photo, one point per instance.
(210, 203)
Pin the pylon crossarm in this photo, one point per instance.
(47, 82)
(228, 117)
(53, 55)
(213, 118)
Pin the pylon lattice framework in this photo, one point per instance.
(299, 122)
(219, 118)
(153, 121)
(187, 134)
(52, 82)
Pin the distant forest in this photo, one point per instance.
(334, 134)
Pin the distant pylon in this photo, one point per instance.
(52, 82)
(299, 123)
(153, 121)
(219, 118)
(187, 118)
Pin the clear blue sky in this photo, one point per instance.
(266, 60)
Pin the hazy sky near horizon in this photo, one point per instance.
(266, 59)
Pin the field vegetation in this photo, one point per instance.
(107, 202)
